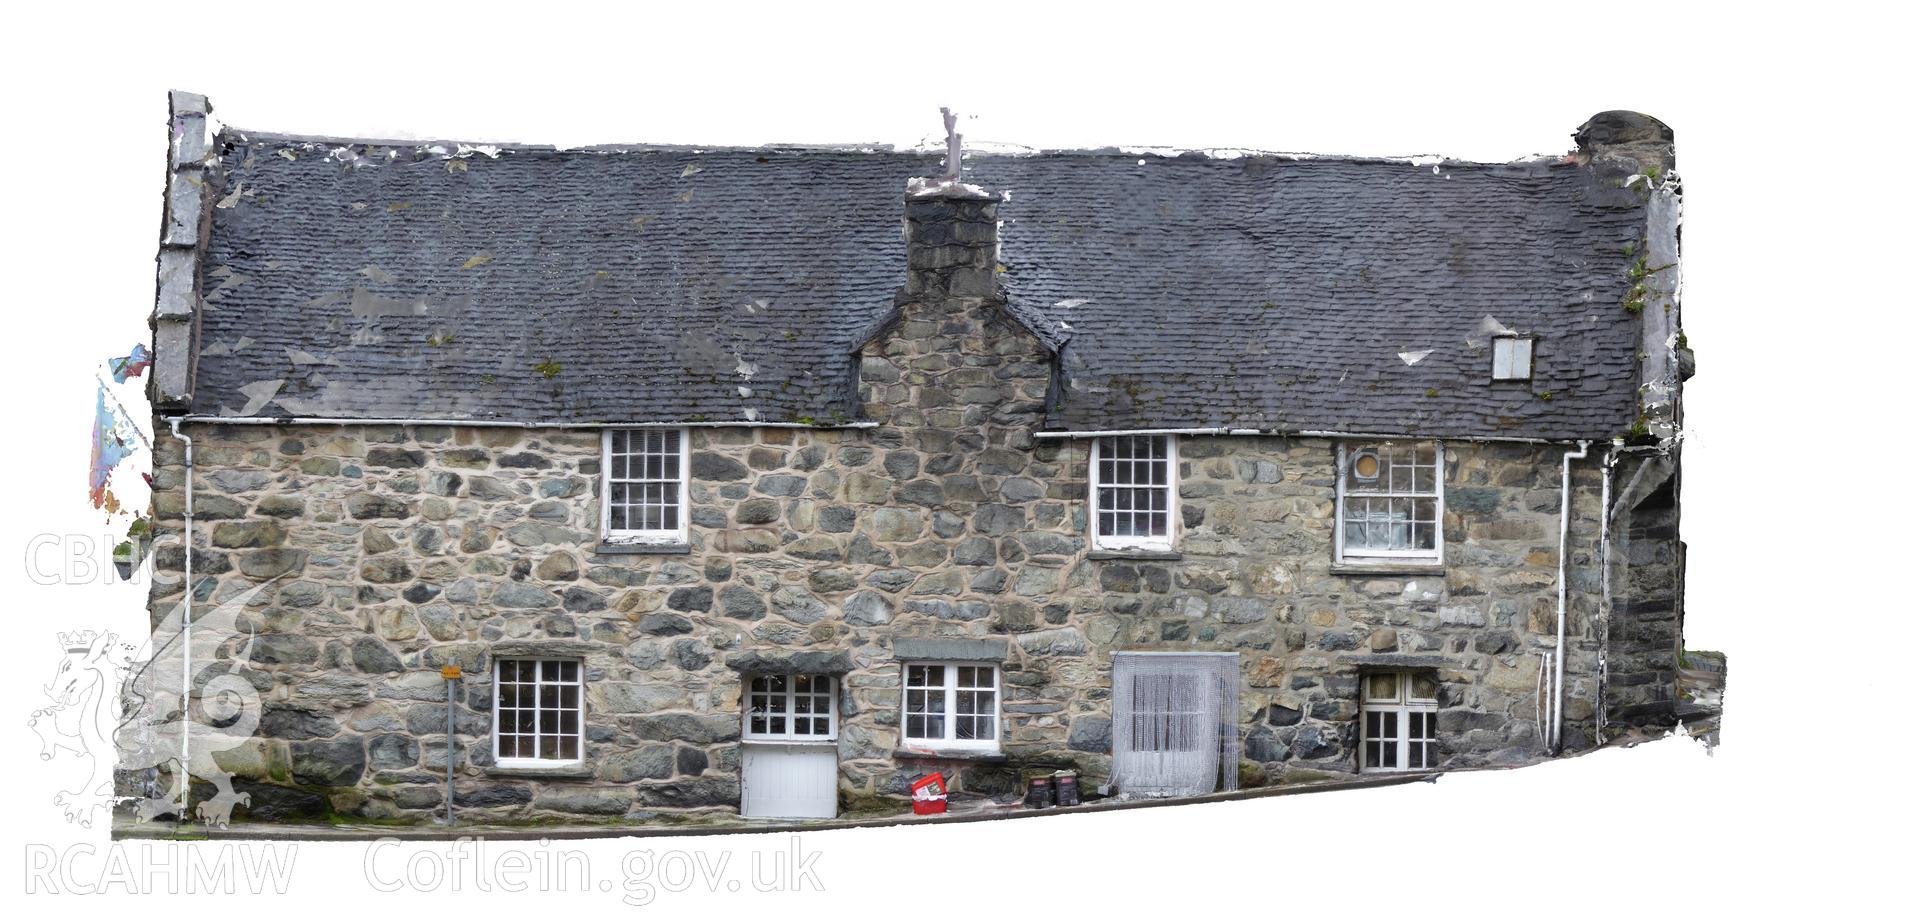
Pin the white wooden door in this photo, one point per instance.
(789, 780)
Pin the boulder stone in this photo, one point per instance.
(646, 761)
(372, 655)
(332, 763)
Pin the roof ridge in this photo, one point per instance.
(1190, 154)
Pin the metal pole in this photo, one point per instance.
(451, 674)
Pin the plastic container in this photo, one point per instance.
(929, 794)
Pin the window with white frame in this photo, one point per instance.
(645, 495)
(1390, 502)
(1135, 483)
(537, 713)
(791, 707)
(951, 705)
(1397, 713)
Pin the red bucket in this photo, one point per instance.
(929, 794)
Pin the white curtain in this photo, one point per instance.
(1174, 723)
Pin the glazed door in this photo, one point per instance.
(790, 759)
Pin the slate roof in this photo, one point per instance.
(348, 279)
(1280, 294)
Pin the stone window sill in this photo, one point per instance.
(1393, 569)
(1137, 555)
(643, 548)
(570, 771)
(970, 756)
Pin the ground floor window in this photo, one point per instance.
(791, 707)
(1397, 713)
(537, 712)
(951, 705)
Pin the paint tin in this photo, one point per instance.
(1066, 788)
(1040, 792)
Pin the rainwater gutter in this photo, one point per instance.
(482, 423)
(1556, 704)
(186, 619)
(1277, 432)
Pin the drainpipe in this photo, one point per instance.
(186, 623)
(1606, 588)
(1557, 703)
(451, 674)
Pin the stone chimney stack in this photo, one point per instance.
(953, 369)
(1633, 152)
(1630, 140)
(953, 240)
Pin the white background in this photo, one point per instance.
(1795, 135)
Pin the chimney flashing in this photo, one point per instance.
(947, 188)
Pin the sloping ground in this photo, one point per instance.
(962, 810)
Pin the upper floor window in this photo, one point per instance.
(645, 494)
(537, 713)
(1389, 502)
(951, 705)
(1135, 482)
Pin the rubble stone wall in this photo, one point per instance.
(389, 551)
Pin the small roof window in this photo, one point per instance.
(1512, 358)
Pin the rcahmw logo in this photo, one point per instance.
(158, 867)
(114, 703)
(85, 558)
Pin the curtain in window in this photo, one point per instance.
(1174, 730)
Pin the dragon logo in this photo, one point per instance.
(114, 704)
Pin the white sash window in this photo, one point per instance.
(1390, 502)
(1135, 483)
(951, 706)
(537, 713)
(643, 495)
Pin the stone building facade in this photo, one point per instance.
(943, 517)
